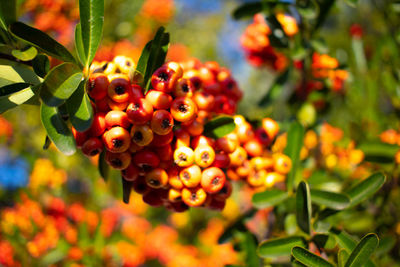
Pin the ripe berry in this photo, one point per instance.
(183, 156)
(212, 180)
(98, 125)
(282, 163)
(204, 155)
(156, 178)
(117, 118)
(146, 159)
(271, 127)
(162, 122)
(164, 79)
(117, 140)
(118, 161)
(97, 86)
(116, 105)
(80, 137)
(194, 197)
(141, 135)
(190, 176)
(92, 146)
(174, 195)
(139, 111)
(162, 140)
(183, 109)
(204, 100)
(184, 88)
(131, 173)
(119, 88)
(159, 99)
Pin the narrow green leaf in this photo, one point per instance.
(8, 13)
(80, 50)
(219, 127)
(247, 10)
(366, 188)
(104, 168)
(344, 240)
(376, 151)
(41, 40)
(309, 259)
(138, 74)
(57, 129)
(92, 17)
(247, 243)
(41, 65)
(60, 83)
(80, 109)
(158, 52)
(25, 55)
(363, 251)
(12, 88)
(324, 241)
(269, 198)
(330, 199)
(303, 207)
(13, 72)
(126, 190)
(294, 143)
(275, 89)
(17, 98)
(342, 257)
(279, 246)
(385, 245)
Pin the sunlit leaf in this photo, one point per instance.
(309, 259)
(92, 17)
(60, 83)
(363, 251)
(80, 50)
(269, 198)
(303, 207)
(366, 188)
(41, 40)
(13, 72)
(279, 246)
(80, 109)
(20, 96)
(25, 55)
(219, 127)
(342, 257)
(57, 130)
(330, 199)
(294, 143)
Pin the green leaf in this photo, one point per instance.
(92, 17)
(330, 199)
(324, 9)
(104, 168)
(8, 13)
(247, 10)
(376, 151)
(295, 137)
(25, 55)
(303, 207)
(309, 259)
(17, 98)
(126, 190)
(60, 83)
(269, 198)
(138, 74)
(385, 245)
(80, 109)
(80, 50)
(309, 9)
(57, 129)
(342, 257)
(277, 38)
(158, 52)
(279, 246)
(41, 65)
(13, 88)
(324, 241)
(366, 188)
(219, 127)
(41, 40)
(275, 89)
(247, 243)
(13, 72)
(363, 251)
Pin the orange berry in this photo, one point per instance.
(157, 178)
(183, 109)
(162, 122)
(183, 156)
(190, 176)
(159, 99)
(213, 179)
(194, 197)
(117, 139)
(142, 135)
(282, 163)
(204, 155)
(119, 88)
(118, 161)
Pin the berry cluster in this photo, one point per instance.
(253, 159)
(257, 46)
(156, 138)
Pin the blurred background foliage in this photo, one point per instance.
(368, 106)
